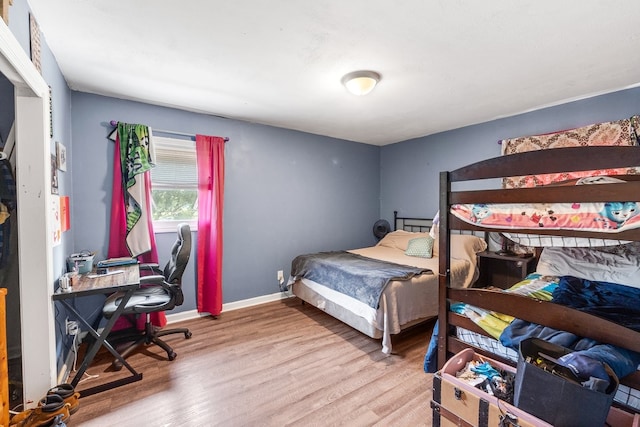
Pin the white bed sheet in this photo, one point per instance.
(402, 302)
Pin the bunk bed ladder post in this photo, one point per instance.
(444, 266)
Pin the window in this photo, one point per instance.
(174, 184)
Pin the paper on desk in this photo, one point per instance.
(109, 273)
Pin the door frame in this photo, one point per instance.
(35, 248)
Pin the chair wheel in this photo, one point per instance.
(116, 365)
(172, 355)
(187, 335)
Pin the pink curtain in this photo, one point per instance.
(118, 231)
(210, 161)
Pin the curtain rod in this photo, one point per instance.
(171, 132)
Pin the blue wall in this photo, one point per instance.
(409, 171)
(286, 192)
(289, 192)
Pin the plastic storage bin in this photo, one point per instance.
(555, 399)
(82, 262)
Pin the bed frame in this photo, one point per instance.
(544, 313)
(422, 225)
(417, 225)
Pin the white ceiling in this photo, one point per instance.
(444, 63)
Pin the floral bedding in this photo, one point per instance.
(606, 217)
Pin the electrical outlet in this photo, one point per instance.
(280, 276)
(72, 327)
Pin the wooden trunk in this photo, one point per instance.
(455, 402)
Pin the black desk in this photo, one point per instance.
(127, 281)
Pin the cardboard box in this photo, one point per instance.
(457, 403)
(555, 399)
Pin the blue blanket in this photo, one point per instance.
(359, 277)
(614, 302)
(618, 303)
(611, 301)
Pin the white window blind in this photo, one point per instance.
(175, 164)
(174, 181)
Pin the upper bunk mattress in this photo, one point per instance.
(609, 217)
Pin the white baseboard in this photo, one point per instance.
(193, 314)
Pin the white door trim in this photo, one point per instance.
(33, 169)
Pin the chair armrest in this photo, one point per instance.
(159, 280)
(156, 279)
(150, 267)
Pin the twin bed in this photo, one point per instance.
(403, 302)
(595, 232)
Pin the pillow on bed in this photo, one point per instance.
(435, 234)
(466, 246)
(421, 247)
(399, 239)
(620, 265)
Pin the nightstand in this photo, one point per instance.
(503, 271)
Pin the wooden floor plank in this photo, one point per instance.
(277, 364)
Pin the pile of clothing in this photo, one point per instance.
(487, 378)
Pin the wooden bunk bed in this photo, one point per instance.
(468, 185)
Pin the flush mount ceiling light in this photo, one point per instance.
(361, 82)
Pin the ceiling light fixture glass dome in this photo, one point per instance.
(361, 82)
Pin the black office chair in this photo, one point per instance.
(160, 291)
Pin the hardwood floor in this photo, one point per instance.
(277, 364)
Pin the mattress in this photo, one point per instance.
(403, 303)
